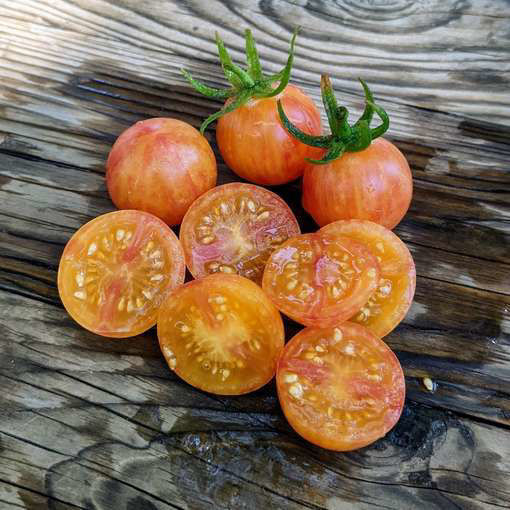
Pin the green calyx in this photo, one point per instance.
(245, 84)
(343, 137)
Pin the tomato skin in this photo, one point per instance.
(125, 255)
(398, 273)
(160, 166)
(227, 322)
(344, 382)
(234, 229)
(374, 184)
(256, 147)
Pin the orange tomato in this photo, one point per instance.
(117, 269)
(256, 147)
(160, 166)
(389, 304)
(234, 228)
(374, 184)
(221, 334)
(340, 388)
(320, 279)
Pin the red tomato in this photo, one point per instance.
(233, 229)
(221, 334)
(320, 279)
(160, 166)
(256, 147)
(374, 184)
(116, 270)
(340, 388)
(389, 304)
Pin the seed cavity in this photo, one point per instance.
(292, 284)
(224, 208)
(372, 272)
(319, 348)
(263, 216)
(130, 306)
(349, 349)
(172, 363)
(296, 390)
(147, 294)
(207, 220)
(219, 316)
(380, 247)
(290, 377)
(92, 249)
(80, 294)
(139, 302)
(156, 254)
(331, 411)
(226, 269)
(121, 304)
(119, 234)
(251, 206)
(157, 277)
(224, 374)
(318, 361)
(207, 240)
(256, 345)
(185, 328)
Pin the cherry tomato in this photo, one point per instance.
(221, 334)
(340, 388)
(117, 269)
(256, 147)
(374, 184)
(233, 229)
(320, 279)
(160, 166)
(389, 304)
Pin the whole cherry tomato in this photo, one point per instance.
(360, 176)
(160, 166)
(249, 133)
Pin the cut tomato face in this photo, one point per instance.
(389, 304)
(221, 334)
(320, 279)
(340, 388)
(233, 229)
(117, 269)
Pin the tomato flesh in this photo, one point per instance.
(389, 304)
(117, 269)
(221, 334)
(320, 279)
(374, 184)
(160, 166)
(233, 229)
(340, 388)
(255, 145)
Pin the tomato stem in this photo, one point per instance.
(245, 84)
(344, 137)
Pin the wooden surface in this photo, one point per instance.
(92, 423)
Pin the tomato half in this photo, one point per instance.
(389, 304)
(160, 166)
(374, 184)
(233, 229)
(117, 269)
(340, 388)
(221, 334)
(320, 279)
(256, 147)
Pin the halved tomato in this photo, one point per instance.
(340, 388)
(233, 229)
(389, 304)
(117, 269)
(221, 334)
(320, 279)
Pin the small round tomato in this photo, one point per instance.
(233, 229)
(221, 334)
(340, 388)
(117, 269)
(389, 304)
(160, 166)
(255, 145)
(373, 184)
(320, 279)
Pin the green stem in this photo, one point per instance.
(206, 90)
(236, 103)
(252, 57)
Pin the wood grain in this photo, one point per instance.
(87, 422)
